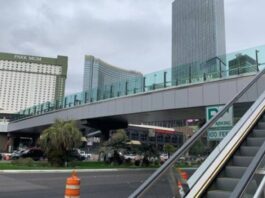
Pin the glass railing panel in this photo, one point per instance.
(209, 138)
(233, 64)
(93, 96)
(60, 103)
(184, 80)
(70, 101)
(134, 85)
(150, 81)
(168, 77)
(79, 98)
(105, 93)
(167, 186)
(99, 94)
(255, 181)
(116, 89)
(197, 78)
(122, 87)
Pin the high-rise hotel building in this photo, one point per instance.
(30, 80)
(98, 74)
(198, 33)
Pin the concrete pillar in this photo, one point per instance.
(104, 135)
(6, 142)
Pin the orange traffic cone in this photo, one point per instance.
(184, 175)
(182, 183)
(72, 188)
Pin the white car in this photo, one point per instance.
(130, 156)
(164, 157)
(84, 154)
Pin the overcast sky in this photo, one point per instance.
(133, 34)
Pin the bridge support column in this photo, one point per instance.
(6, 142)
(104, 135)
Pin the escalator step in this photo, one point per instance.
(258, 133)
(261, 125)
(218, 194)
(243, 161)
(234, 171)
(248, 150)
(255, 141)
(226, 184)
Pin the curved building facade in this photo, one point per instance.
(100, 76)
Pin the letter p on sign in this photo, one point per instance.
(212, 112)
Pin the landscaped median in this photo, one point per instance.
(29, 164)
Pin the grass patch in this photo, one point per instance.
(29, 164)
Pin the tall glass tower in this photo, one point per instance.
(198, 35)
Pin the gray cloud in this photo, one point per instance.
(244, 23)
(133, 34)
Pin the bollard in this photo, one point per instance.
(72, 187)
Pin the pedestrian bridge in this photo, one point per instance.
(179, 93)
(187, 99)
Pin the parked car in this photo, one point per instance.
(34, 153)
(130, 156)
(86, 155)
(17, 154)
(164, 157)
(75, 155)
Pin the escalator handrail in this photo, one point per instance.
(249, 173)
(189, 143)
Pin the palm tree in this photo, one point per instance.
(113, 145)
(169, 149)
(60, 139)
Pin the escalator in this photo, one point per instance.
(230, 170)
(226, 181)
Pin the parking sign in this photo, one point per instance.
(222, 126)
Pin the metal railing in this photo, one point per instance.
(190, 142)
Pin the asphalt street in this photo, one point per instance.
(52, 185)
